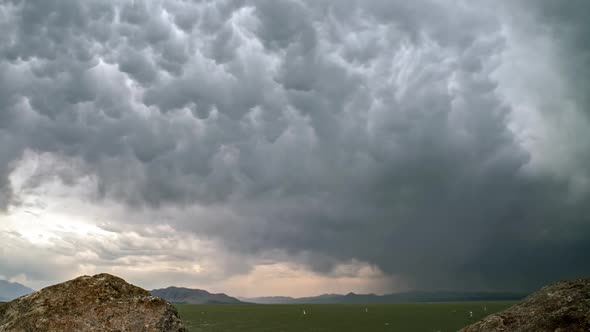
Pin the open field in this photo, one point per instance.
(403, 317)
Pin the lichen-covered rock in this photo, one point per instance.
(560, 307)
(99, 303)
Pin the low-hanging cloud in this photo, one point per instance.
(408, 135)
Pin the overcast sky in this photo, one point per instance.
(296, 147)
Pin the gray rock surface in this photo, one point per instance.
(99, 303)
(560, 307)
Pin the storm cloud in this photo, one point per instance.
(445, 145)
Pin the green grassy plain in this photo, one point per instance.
(402, 317)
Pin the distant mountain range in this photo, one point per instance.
(193, 296)
(11, 290)
(352, 298)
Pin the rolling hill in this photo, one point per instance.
(193, 296)
(12, 290)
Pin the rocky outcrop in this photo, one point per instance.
(560, 307)
(99, 303)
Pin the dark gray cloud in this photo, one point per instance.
(327, 130)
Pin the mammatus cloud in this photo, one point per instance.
(434, 144)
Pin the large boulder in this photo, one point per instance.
(560, 307)
(99, 303)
